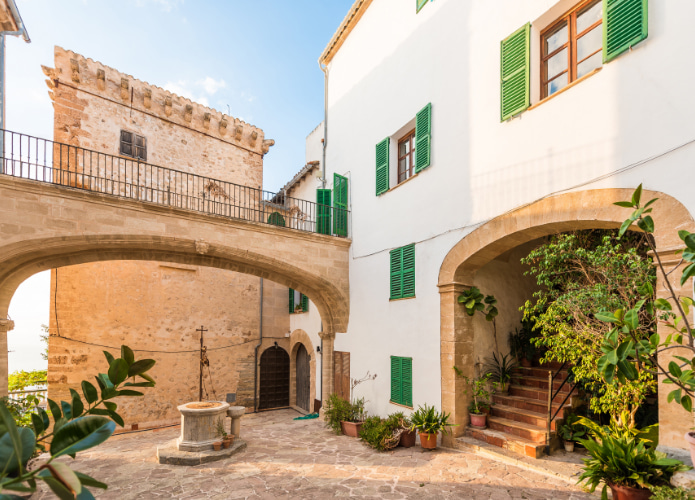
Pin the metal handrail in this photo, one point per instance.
(47, 161)
(551, 397)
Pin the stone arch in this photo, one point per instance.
(590, 209)
(297, 338)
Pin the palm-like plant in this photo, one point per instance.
(500, 368)
(428, 420)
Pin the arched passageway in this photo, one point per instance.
(589, 209)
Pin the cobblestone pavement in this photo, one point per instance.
(303, 459)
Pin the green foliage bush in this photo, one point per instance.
(377, 431)
(670, 493)
(20, 380)
(339, 410)
(429, 420)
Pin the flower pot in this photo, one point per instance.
(428, 441)
(351, 429)
(629, 493)
(217, 445)
(228, 441)
(504, 388)
(569, 446)
(690, 439)
(479, 420)
(407, 439)
(526, 363)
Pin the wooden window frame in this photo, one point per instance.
(409, 137)
(569, 19)
(133, 145)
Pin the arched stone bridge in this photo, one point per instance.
(44, 226)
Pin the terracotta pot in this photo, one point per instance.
(479, 420)
(690, 439)
(526, 363)
(569, 446)
(428, 441)
(407, 439)
(486, 411)
(628, 493)
(504, 388)
(351, 429)
(217, 445)
(228, 442)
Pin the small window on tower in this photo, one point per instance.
(133, 145)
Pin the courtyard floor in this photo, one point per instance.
(303, 459)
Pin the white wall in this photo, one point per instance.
(394, 62)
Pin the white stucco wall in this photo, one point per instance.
(627, 116)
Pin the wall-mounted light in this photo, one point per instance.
(318, 348)
(276, 344)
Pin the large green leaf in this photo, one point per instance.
(687, 273)
(57, 487)
(637, 195)
(16, 445)
(81, 434)
(90, 481)
(118, 371)
(66, 476)
(90, 392)
(127, 354)
(140, 366)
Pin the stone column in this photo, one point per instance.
(457, 349)
(6, 325)
(327, 381)
(674, 421)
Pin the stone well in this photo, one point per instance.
(199, 425)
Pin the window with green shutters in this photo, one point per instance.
(298, 299)
(625, 25)
(423, 134)
(276, 219)
(323, 211)
(515, 72)
(382, 166)
(340, 204)
(402, 262)
(291, 301)
(402, 381)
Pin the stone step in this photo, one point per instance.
(533, 405)
(530, 432)
(541, 383)
(542, 372)
(522, 415)
(537, 394)
(507, 441)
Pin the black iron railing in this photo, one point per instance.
(75, 167)
(552, 394)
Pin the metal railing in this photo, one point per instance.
(41, 393)
(52, 162)
(551, 397)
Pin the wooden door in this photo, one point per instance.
(303, 375)
(341, 374)
(274, 391)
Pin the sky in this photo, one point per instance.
(255, 60)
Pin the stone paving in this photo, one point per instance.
(303, 459)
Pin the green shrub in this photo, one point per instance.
(669, 493)
(428, 420)
(377, 431)
(339, 410)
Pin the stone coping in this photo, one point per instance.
(170, 454)
(218, 407)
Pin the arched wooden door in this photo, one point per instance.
(274, 390)
(303, 378)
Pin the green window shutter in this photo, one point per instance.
(420, 4)
(340, 204)
(276, 219)
(396, 384)
(423, 135)
(305, 303)
(323, 211)
(408, 272)
(382, 167)
(624, 25)
(291, 301)
(396, 273)
(407, 381)
(515, 70)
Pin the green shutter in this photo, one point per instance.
(420, 4)
(382, 167)
(396, 385)
(407, 381)
(423, 134)
(515, 70)
(624, 25)
(276, 219)
(408, 273)
(340, 204)
(396, 273)
(305, 303)
(291, 301)
(323, 211)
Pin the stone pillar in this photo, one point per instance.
(457, 349)
(327, 381)
(674, 421)
(6, 325)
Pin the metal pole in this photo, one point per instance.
(200, 389)
(550, 410)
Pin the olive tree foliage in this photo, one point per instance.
(628, 355)
(580, 274)
(87, 420)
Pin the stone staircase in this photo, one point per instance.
(517, 421)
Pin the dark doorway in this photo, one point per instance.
(275, 379)
(303, 378)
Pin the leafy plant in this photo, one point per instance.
(428, 420)
(671, 493)
(20, 380)
(380, 433)
(77, 425)
(219, 429)
(520, 342)
(501, 368)
(477, 388)
(571, 429)
(474, 301)
(339, 410)
(21, 408)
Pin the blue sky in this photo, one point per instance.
(258, 57)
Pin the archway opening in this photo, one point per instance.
(274, 385)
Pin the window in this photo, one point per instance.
(340, 205)
(323, 211)
(406, 150)
(133, 145)
(572, 47)
(402, 381)
(403, 272)
(276, 219)
(298, 302)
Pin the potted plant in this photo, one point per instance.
(429, 423)
(626, 461)
(500, 368)
(384, 433)
(227, 439)
(408, 435)
(343, 416)
(520, 343)
(477, 388)
(570, 431)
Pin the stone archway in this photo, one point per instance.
(591, 209)
(301, 338)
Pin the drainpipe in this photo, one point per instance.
(324, 68)
(255, 365)
(20, 32)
